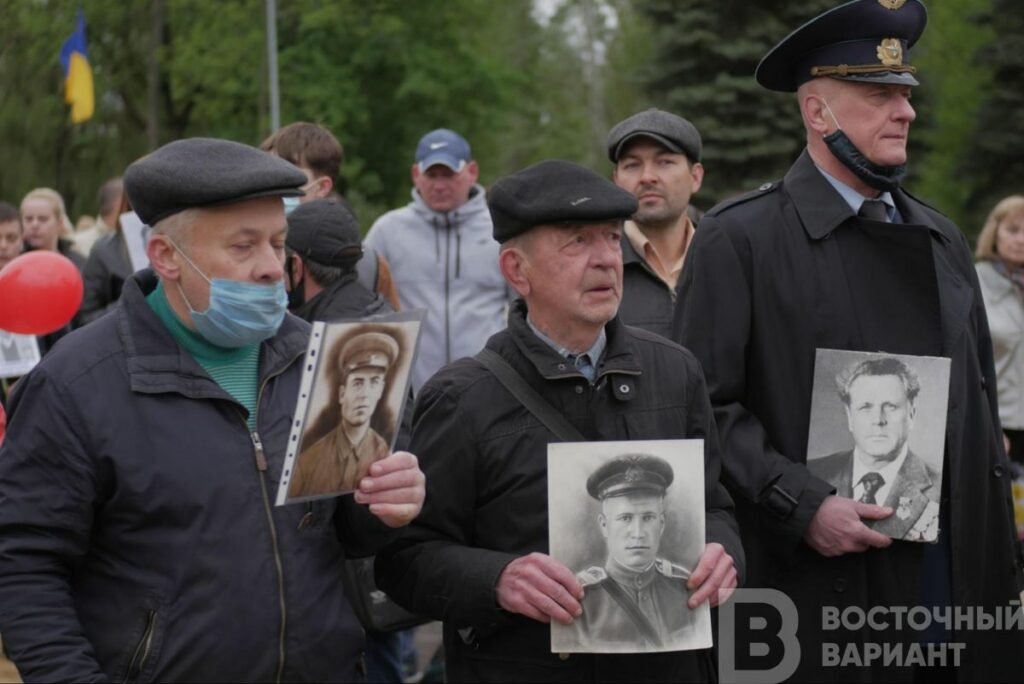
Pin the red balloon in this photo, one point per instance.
(39, 292)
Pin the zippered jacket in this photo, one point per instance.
(446, 263)
(138, 541)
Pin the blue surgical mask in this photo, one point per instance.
(289, 204)
(240, 313)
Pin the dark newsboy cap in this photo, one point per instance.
(862, 40)
(324, 231)
(630, 474)
(552, 192)
(206, 172)
(674, 132)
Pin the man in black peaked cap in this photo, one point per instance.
(137, 537)
(478, 560)
(837, 255)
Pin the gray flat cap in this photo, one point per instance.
(552, 192)
(674, 132)
(206, 172)
(325, 231)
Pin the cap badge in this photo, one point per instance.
(634, 474)
(890, 52)
(892, 4)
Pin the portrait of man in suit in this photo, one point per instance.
(880, 397)
(637, 600)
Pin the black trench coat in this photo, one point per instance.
(764, 285)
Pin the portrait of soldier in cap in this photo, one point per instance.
(334, 462)
(635, 596)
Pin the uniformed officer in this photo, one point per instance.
(339, 459)
(636, 598)
(839, 256)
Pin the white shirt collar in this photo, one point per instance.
(854, 198)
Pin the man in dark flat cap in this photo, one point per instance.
(478, 556)
(637, 600)
(837, 255)
(137, 538)
(657, 158)
(337, 461)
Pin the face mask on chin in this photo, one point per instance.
(878, 176)
(240, 313)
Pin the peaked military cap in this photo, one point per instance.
(206, 172)
(325, 231)
(553, 192)
(368, 350)
(630, 474)
(862, 40)
(674, 132)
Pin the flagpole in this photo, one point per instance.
(275, 95)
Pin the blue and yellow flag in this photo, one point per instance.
(77, 73)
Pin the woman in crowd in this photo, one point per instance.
(1000, 267)
(44, 221)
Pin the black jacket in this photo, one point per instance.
(137, 536)
(770, 278)
(647, 301)
(485, 457)
(345, 298)
(106, 269)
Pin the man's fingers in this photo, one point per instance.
(403, 495)
(393, 479)
(706, 565)
(550, 608)
(399, 460)
(871, 511)
(710, 586)
(562, 575)
(395, 515)
(876, 539)
(725, 589)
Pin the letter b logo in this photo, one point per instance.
(757, 641)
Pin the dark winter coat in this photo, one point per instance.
(767, 281)
(647, 300)
(138, 541)
(485, 457)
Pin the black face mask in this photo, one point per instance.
(296, 293)
(884, 178)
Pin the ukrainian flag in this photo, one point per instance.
(77, 74)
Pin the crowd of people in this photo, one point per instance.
(138, 541)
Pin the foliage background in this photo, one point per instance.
(522, 80)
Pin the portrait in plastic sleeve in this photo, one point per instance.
(628, 519)
(877, 435)
(353, 392)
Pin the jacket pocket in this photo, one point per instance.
(142, 654)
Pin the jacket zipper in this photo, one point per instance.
(447, 288)
(261, 467)
(141, 653)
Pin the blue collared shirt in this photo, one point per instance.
(855, 199)
(586, 362)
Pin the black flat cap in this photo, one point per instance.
(325, 231)
(552, 192)
(863, 40)
(206, 172)
(630, 474)
(674, 132)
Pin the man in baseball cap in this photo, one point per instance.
(657, 158)
(161, 430)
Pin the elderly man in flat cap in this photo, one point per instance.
(478, 556)
(137, 538)
(338, 460)
(657, 158)
(637, 598)
(837, 255)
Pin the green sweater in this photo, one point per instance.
(235, 370)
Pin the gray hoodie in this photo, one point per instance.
(446, 263)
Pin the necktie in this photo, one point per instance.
(874, 210)
(871, 482)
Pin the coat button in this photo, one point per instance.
(561, 366)
(839, 585)
(563, 656)
(579, 389)
(765, 186)
(997, 470)
(624, 389)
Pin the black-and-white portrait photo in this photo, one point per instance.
(18, 354)
(877, 434)
(350, 404)
(628, 519)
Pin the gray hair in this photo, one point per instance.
(886, 365)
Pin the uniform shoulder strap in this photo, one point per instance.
(528, 397)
